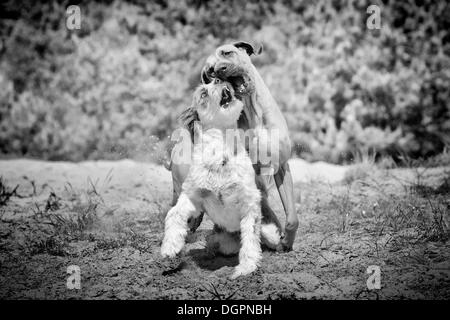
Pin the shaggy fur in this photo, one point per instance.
(220, 182)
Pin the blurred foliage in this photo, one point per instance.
(114, 88)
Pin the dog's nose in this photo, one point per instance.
(220, 69)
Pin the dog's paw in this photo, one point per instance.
(241, 271)
(168, 250)
(289, 235)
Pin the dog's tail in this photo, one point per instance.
(270, 236)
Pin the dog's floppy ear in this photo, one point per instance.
(248, 47)
(188, 118)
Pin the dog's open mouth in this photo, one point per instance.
(238, 82)
(241, 83)
(238, 78)
(226, 98)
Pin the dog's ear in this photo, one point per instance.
(188, 118)
(248, 48)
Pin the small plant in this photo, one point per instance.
(386, 162)
(5, 192)
(53, 246)
(343, 205)
(364, 164)
(217, 295)
(53, 202)
(441, 159)
(77, 217)
(438, 229)
(81, 216)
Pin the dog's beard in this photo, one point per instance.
(228, 115)
(222, 116)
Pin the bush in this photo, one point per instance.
(114, 88)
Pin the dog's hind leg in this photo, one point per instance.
(271, 236)
(176, 226)
(271, 231)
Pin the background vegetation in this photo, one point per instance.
(114, 88)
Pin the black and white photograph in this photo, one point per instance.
(225, 150)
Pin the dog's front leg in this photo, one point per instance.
(283, 181)
(176, 226)
(180, 163)
(250, 252)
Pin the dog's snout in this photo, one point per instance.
(221, 69)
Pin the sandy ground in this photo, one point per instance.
(107, 218)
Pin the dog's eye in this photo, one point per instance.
(217, 81)
(203, 95)
(227, 53)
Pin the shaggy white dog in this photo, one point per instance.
(220, 182)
